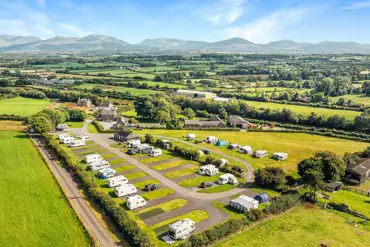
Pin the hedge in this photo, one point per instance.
(12, 117)
(101, 129)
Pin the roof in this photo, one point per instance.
(194, 92)
(237, 119)
(263, 196)
(126, 134)
(333, 185)
(243, 200)
(135, 198)
(105, 104)
(202, 123)
(360, 168)
(108, 112)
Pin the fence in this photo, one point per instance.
(361, 192)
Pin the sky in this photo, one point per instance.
(259, 21)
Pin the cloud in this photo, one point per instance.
(357, 5)
(41, 2)
(222, 12)
(266, 28)
(73, 29)
(14, 27)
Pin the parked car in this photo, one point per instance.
(131, 152)
(206, 185)
(150, 187)
(237, 169)
(206, 151)
(198, 141)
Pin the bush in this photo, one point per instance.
(271, 177)
(282, 203)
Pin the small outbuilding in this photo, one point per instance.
(262, 198)
(244, 203)
(124, 136)
(334, 186)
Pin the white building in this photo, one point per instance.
(211, 139)
(125, 190)
(133, 143)
(62, 136)
(135, 201)
(260, 153)
(117, 181)
(106, 173)
(77, 143)
(227, 178)
(98, 165)
(208, 170)
(68, 140)
(156, 152)
(92, 158)
(195, 94)
(246, 150)
(280, 156)
(62, 127)
(181, 229)
(244, 203)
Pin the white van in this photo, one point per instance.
(125, 190)
(117, 181)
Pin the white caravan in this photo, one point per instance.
(223, 162)
(244, 203)
(62, 136)
(136, 201)
(227, 178)
(191, 136)
(117, 181)
(133, 143)
(106, 173)
(68, 140)
(86, 138)
(125, 190)
(92, 158)
(208, 170)
(280, 156)
(144, 148)
(260, 153)
(98, 165)
(156, 152)
(246, 150)
(77, 143)
(211, 139)
(181, 229)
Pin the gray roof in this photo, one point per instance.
(360, 168)
(105, 104)
(237, 119)
(108, 112)
(126, 134)
(201, 123)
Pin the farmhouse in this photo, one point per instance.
(84, 102)
(181, 229)
(280, 156)
(360, 171)
(124, 190)
(204, 124)
(244, 203)
(238, 122)
(195, 94)
(135, 201)
(117, 181)
(124, 136)
(208, 170)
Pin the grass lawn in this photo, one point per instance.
(117, 161)
(33, 209)
(196, 181)
(358, 98)
(228, 209)
(75, 124)
(141, 185)
(306, 110)
(218, 189)
(124, 168)
(135, 175)
(22, 106)
(92, 129)
(106, 156)
(364, 187)
(12, 125)
(164, 156)
(156, 194)
(301, 227)
(131, 113)
(166, 206)
(182, 172)
(297, 145)
(172, 164)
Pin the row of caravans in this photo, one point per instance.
(147, 149)
(73, 141)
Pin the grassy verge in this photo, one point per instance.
(75, 124)
(135, 175)
(125, 168)
(182, 172)
(159, 193)
(196, 181)
(141, 185)
(217, 189)
(117, 161)
(167, 206)
(92, 129)
(168, 165)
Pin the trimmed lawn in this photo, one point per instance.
(196, 181)
(141, 185)
(135, 175)
(124, 168)
(106, 156)
(301, 227)
(156, 194)
(92, 129)
(172, 164)
(75, 124)
(34, 211)
(182, 172)
(228, 209)
(164, 156)
(22, 106)
(219, 188)
(166, 206)
(117, 161)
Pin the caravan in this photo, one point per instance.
(211, 139)
(246, 150)
(227, 178)
(117, 181)
(144, 148)
(98, 165)
(280, 156)
(133, 143)
(125, 190)
(77, 143)
(260, 153)
(85, 138)
(136, 201)
(181, 229)
(68, 140)
(106, 173)
(156, 152)
(92, 158)
(191, 136)
(62, 136)
(208, 170)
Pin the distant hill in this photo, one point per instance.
(106, 43)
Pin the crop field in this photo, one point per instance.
(297, 145)
(121, 73)
(12, 125)
(133, 91)
(305, 110)
(33, 208)
(302, 227)
(22, 106)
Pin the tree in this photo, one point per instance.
(271, 177)
(362, 122)
(222, 113)
(41, 124)
(189, 113)
(336, 121)
(308, 164)
(314, 179)
(149, 139)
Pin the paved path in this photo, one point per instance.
(77, 200)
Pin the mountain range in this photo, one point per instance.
(107, 43)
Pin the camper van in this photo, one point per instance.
(92, 158)
(136, 201)
(208, 170)
(62, 136)
(133, 143)
(156, 152)
(98, 165)
(125, 190)
(68, 140)
(181, 229)
(280, 156)
(86, 138)
(227, 178)
(246, 150)
(77, 143)
(117, 181)
(260, 153)
(211, 139)
(106, 173)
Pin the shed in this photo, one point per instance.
(238, 122)
(262, 198)
(334, 186)
(124, 136)
(359, 171)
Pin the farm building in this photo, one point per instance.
(260, 153)
(106, 173)
(262, 198)
(108, 114)
(208, 170)
(195, 94)
(181, 229)
(124, 190)
(204, 124)
(98, 165)
(246, 150)
(280, 156)
(244, 203)
(238, 122)
(221, 143)
(359, 172)
(84, 102)
(136, 201)
(62, 127)
(227, 178)
(92, 157)
(124, 136)
(117, 181)
(156, 152)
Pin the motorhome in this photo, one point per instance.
(260, 153)
(181, 229)
(133, 143)
(77, 143)
(106, 173)
(246, 150)
(211, 139)
(280, 156)
(68, 140)
(98, 165)
(136, 201)
(227, 178)
(92, 158)
(125, 190)
(117, 181)
(62, 136)
(156, 152)
(208, 170)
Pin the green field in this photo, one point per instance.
(297, 145)
(133, 91)
(301, 227)
(33, 209)
(305, 110)
(22, 106)
(358, 98)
